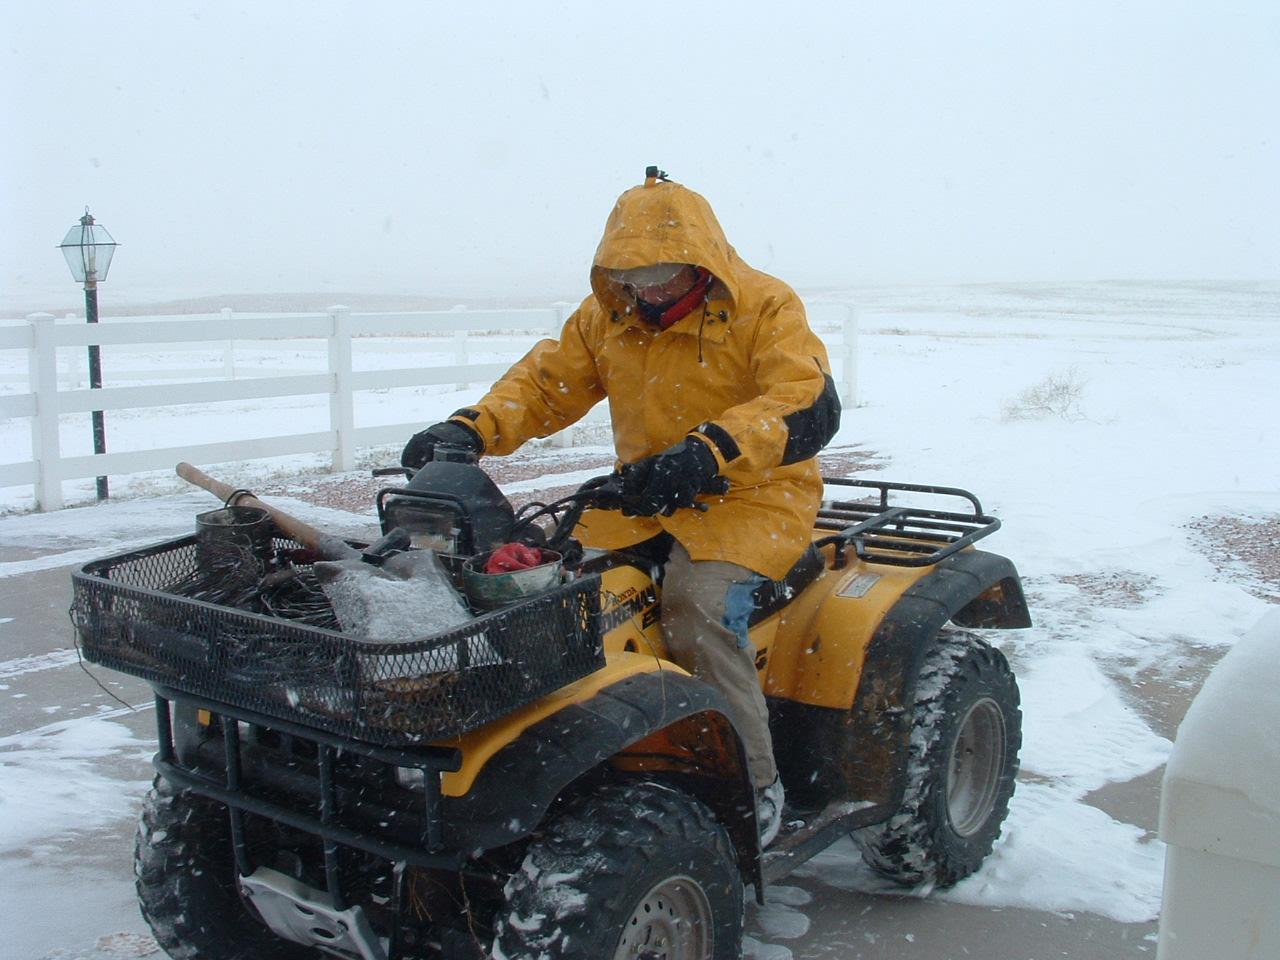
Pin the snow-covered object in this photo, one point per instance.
(408, 598)
(1220, 811)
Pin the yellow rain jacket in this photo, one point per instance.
(742, 372)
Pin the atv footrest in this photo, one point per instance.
(805, 836)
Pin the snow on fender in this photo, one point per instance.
(1220, 811)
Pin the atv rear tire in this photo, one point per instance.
(963, 758)
(186, 881)
(633, 870)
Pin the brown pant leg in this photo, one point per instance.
(693, 612)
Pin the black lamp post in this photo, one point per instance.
(88, 249)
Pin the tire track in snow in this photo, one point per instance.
(62, 726)
(22, 666)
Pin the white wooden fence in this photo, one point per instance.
(44, 402)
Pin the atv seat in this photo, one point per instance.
(772, 595)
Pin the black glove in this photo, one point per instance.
(421, 448)
(672, 479)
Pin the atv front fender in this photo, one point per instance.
(662, 724)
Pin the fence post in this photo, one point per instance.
(341, 404)
(45, 454)
(849, 351)
(73, 359)
(228, 351)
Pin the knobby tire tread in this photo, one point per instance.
(604, 843)
(917, 846)
(184, 874)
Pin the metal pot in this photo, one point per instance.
(489, 591)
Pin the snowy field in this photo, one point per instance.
(1125, 435)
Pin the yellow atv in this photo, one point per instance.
(542, 781)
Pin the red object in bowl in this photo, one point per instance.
(513, 556)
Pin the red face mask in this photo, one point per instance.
(665, 314)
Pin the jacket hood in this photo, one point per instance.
(662, 222)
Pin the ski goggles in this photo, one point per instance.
(647, 277)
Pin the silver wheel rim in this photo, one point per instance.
(973, 770)
(670, 922)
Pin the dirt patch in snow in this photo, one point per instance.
(526, 466)
(1115, 588)
(115, 946)
(848, 461)
(1243, 549)
(353, 492)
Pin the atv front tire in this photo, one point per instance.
(186, 882)
(963, 758)
(633, 870)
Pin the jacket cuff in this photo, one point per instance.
(719, 441)
(470, 419)
(707, 453)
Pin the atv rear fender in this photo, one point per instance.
(870, 622)
(971, 589)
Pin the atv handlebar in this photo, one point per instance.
(601, 493)
(607, 492)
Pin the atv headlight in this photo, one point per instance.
(430, 524)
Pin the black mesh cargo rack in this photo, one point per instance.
(902, 536)
(129, 618)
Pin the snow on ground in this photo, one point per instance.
(53, 776)
(1100, 423)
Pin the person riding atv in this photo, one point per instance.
(720, 396)
(573, 771)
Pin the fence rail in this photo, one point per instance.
(333, 332)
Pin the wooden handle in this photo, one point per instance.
(201, 479)
(327, 545)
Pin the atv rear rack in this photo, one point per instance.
(900, 536)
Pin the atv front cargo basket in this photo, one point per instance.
(129, 618)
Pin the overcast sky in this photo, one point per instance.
(451, 149)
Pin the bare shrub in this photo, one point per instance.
(1057, 395)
